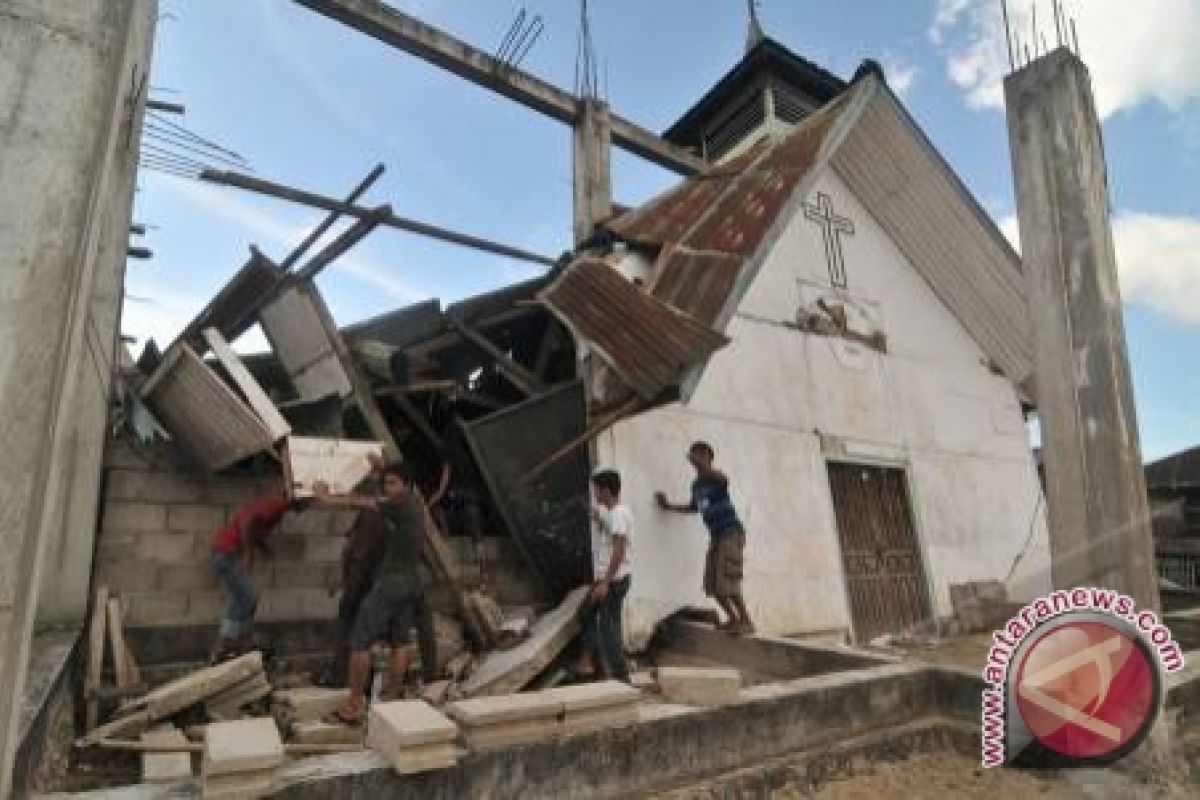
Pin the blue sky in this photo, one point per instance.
(315, 104)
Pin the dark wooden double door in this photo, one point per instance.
(885, 578)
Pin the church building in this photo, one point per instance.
(869, 407)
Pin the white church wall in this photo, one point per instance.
(777, 403)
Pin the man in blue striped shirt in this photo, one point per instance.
(724, 564)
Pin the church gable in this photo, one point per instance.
(712, 234)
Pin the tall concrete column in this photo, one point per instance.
(591, 159)
(1096, 490)
(73, 77)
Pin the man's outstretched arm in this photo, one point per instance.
(679, 508)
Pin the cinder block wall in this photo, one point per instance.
(154, 547)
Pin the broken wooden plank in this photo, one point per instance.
(116, 641)
(520, 377)
(95, 662)
(509, 671)
(594, 430)
(329, 204)
(339, 462)
(255, 396)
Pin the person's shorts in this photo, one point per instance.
(388, 612)
(723, 566)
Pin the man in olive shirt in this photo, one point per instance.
(394, 603)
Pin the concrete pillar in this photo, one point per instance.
(1096, 491)
(73, 78)
(592, 168)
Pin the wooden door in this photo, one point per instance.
(885, 578)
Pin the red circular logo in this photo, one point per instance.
(1088, 690)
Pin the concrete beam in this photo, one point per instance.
(409, 34)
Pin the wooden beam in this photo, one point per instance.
(342, 244)
(331, 219)
(517, 375)
(116, 640)
(358, 382)
(594, 430)
(413, 36)
(314, 200)
(255, 396)
(95, 662)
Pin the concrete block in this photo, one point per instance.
(153, 487)
(598, 719)
(127, 574)
(246, 745)
(403, 724)
(239, 785)
(512, 734)
(166, 548)
(310, 703)
(645, 681)
(699, 687)
(288, 547)
(294, 604)
(116, 545)
(314, 522)
(305, 575)
(165, 767)
(205, 605)
(507, 708)
(154, 609)
(325, 549)
(195, 518)
(232, 491)
(425, 759)
(186, 577)
(137, 517)
(592, 696)
(323, 733)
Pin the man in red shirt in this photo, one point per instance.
(234, 548)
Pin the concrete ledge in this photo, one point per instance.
(763, 655)
(53, 655)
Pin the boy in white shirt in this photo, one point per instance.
(612, 528)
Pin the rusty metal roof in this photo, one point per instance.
(649, 344)
(710, 226)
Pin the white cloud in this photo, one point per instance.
(901, 76)
(1136, 52)
(1158, 262)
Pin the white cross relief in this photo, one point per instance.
(833, 228)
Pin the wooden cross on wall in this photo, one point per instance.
(833, 228)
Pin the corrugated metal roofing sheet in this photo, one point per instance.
(711, 228)
(711, 225)
(649, 344)
(203, 414)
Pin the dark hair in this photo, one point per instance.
(703, 447)
(399, 470)
(608, 479)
